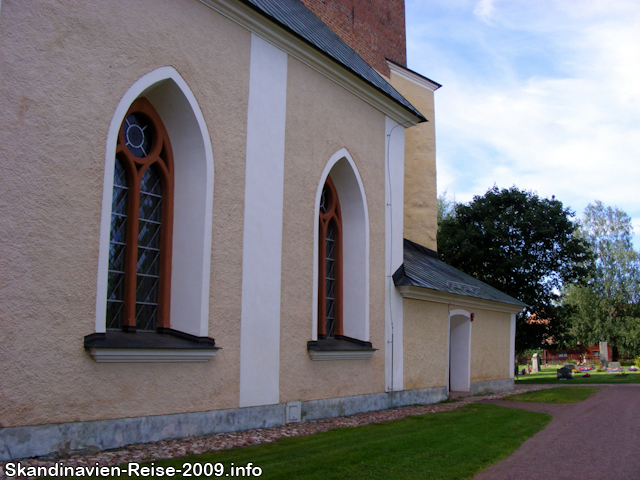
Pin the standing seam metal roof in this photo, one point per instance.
(298, 19)
(422, 268)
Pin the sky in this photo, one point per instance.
(543, 95)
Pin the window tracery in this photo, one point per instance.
(330, 263)
(141, 224)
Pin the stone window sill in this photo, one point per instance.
(340, 348)
(165, 345)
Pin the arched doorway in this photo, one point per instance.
(459, 351)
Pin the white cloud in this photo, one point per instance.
(544, 96)
(484, 9)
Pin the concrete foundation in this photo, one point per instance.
(492, 386)
(38, 440)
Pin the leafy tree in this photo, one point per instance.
(446, 206)
(523, 245)
(609, 231)
(607, 307)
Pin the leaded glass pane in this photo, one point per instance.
(138, 134)
(330, 280)
(117, 247)
(118, 228)
(330, 285)
(119, 198)
(147, 289)
(151, 183)
(114, 315)
(331, 267)
(116, 257)
(148, 266)
(324, 199)
(149, 234)
(146, 316)
(148, 261)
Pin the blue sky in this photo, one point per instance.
(543, 94)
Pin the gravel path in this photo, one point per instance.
(598, 438)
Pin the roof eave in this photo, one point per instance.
(436, 296)
(413, 76)
(260, 23)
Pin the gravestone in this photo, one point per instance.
(604, 354)
(535, 363)
(615, 367)
(565, 373)
(571, 366)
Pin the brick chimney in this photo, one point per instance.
(375, 29)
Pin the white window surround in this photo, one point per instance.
(193, 199)
(355, 225)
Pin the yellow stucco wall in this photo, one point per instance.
(420, 194)
(426, 344)
(55, 127)
(425, 339)
(490, 346)
(323, 118)
(65, 67)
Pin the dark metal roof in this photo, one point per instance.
(422, 268)
(293, 16)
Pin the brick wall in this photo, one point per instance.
(375, 29)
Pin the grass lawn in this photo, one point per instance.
(548, 375)
(451, 445)
(554, 395)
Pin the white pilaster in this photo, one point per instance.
(262, 242)
(512, 345)
(394, 200)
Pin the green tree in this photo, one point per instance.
(523, 245)
(446, 207)
(607, 306)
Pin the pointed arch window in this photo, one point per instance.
(139, 278)
(153, 278)
(341, 316)
(330, 263)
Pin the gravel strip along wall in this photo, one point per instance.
(175, 448)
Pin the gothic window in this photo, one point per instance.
(330, 264)
(141, 224)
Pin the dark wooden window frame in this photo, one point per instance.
(332, 214)
(161, 159)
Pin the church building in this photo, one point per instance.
(220, 215)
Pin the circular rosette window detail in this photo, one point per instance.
(138, 134)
